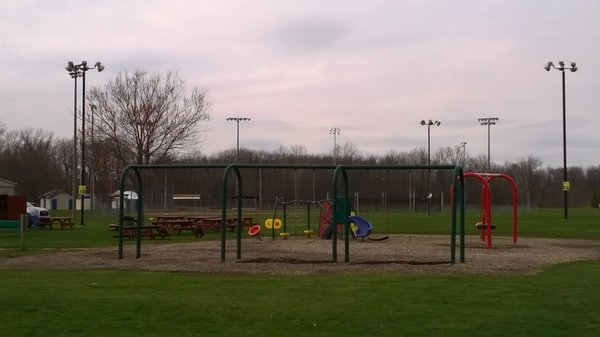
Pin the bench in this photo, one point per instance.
(10, 224)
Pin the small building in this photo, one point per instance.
(7, 187)
(187, 201)
(87, 202)
(56, 199)
(130, 200)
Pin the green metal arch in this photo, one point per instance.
(458, 194)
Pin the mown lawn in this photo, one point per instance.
(561, 301)
(583, 223)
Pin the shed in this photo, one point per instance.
(7, 187)
(56, 199)
(131, 198)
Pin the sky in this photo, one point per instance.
(373, 69)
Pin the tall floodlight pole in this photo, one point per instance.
(335, 132)
(82, 68)
(464, 153)
(237, 120)
(573, 68)
(92, 168)
(429, 124)
(488, 121)
(74, 73)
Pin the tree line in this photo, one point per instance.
(143, 118)
(39, 162)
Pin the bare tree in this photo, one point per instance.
(144, 117)
(528, 175)
(64, 157)
(29, 159)
(449, 155)
(348, 152)
(2, 133)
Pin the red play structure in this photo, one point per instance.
(485, 226)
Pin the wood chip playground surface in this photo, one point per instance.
(300, 255)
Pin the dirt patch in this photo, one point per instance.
(400, 253)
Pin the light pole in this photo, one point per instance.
(429, 124)
(74, 73)
(464, 153)
(92, 158)
(237, 120)
(76, 70)
(573, 68)
(335, 132)
(488, 121)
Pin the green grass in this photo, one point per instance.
(582, 224)
(561, 301)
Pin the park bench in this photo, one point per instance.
(10, 224)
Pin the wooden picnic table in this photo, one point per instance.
(175, 226)
(214, 223)
(63, 221)
(130, 232)
(169, 217)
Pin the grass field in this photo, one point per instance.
(548, 223)
(560, 301)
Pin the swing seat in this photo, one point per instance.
(482, 226)
(483, 229)
(363, 227)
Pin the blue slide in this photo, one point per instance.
(363, 227)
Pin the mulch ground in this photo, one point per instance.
(299, 255)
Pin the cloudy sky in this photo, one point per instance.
(374, 69)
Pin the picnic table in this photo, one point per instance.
(48, 221)
(130, 231)
(160, 218)
(177, 225)
(214, 223)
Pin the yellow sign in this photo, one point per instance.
(82, 189)
(566, 186)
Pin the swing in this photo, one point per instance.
(363, 228)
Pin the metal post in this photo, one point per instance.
(237, 151)
(82, 178)
(76, 70)
(429, 196)
(488, 121)
(573, 68)
(74, 179)
(564, 118)
(237, 120)
(464, 153)
(92, 173)
(334, 132)
(429, 124)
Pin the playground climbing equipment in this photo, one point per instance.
(340, 188)
(485, 226)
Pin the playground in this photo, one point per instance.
(73, 283)
(240, 276)
(245, 246)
